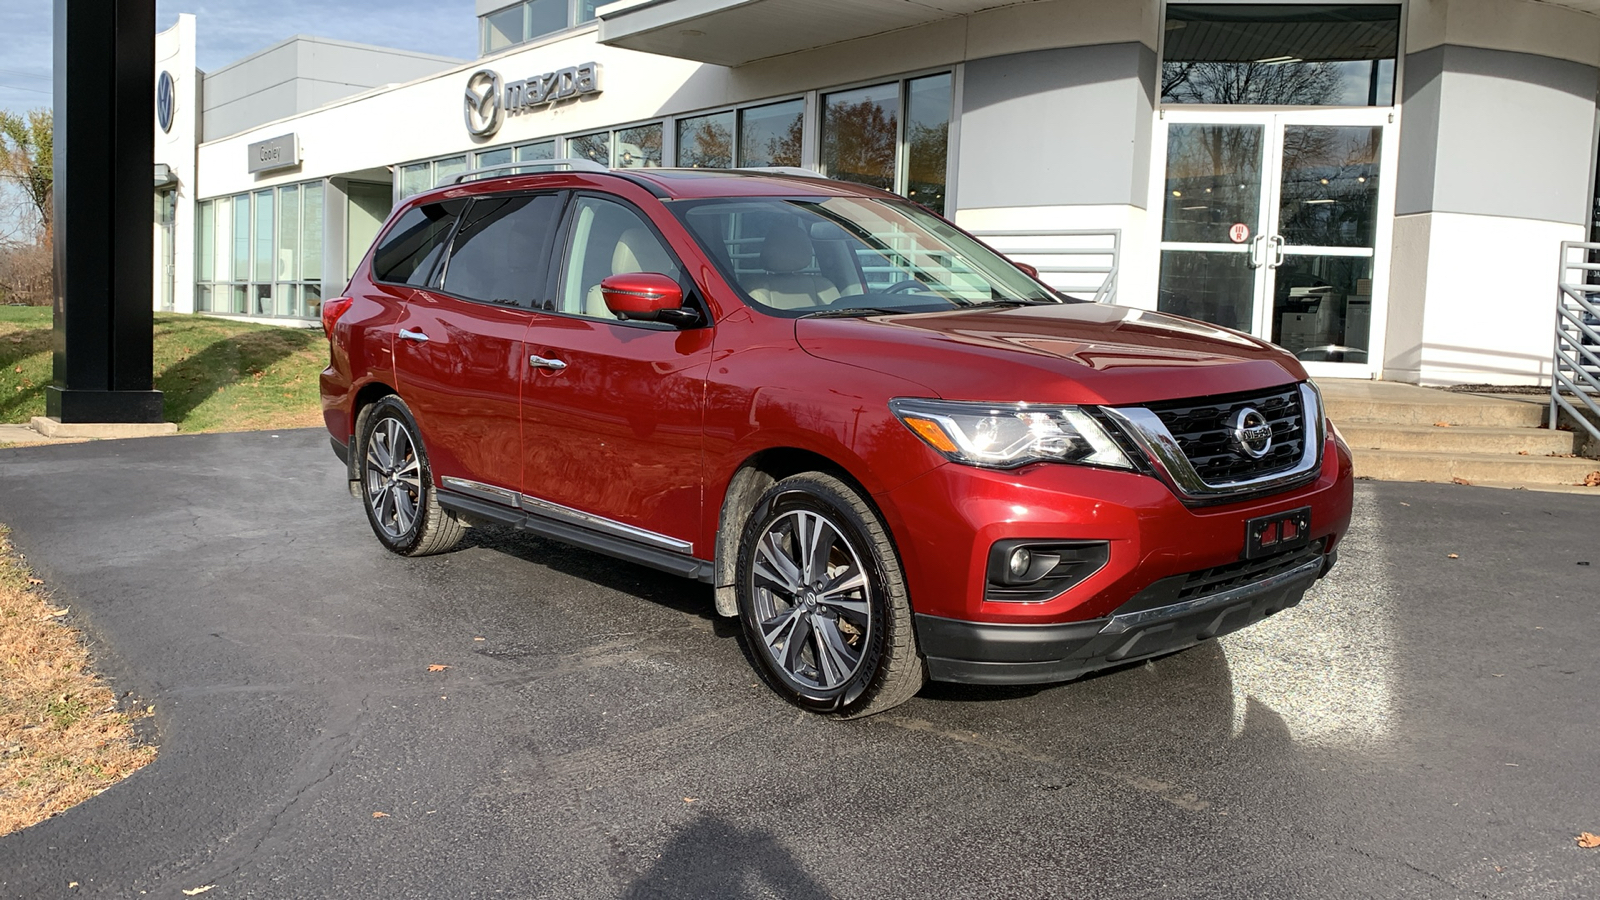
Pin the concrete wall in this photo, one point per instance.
(175, 54)
(1495, 170)
(301, 74)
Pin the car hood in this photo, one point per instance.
(1071, 353)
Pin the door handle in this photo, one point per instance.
(417, 336)
(539, 362)
(1278, 256)
(1257, 258)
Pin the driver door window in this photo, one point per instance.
(607, 239)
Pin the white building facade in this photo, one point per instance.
(1382, 188)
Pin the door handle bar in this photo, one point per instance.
(417, 336)
(1257, 258)
(1278, 255)
(539, 362)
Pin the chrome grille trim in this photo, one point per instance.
(1147, 430)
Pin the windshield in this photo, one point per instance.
(844, 254)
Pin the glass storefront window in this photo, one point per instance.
(770, 135)
(536, 152)
(311, 224)
(447, 167)
(205, 245)
(415, 178)
(546, 17)
(502, 29)
(928, 103)
(288, 268)
(706, 141)
(532, 19)
(263, 236)
(241, 238)
(586, 10)
(487, 158)
(1280, 54)
(591, 146)
(639, 147)
(860, 135)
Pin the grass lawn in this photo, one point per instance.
(214, 374)
(63, 735)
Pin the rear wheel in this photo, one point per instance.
(823, 601)
(397, 487)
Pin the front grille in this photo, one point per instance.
(1202, 432)
(1215, 580)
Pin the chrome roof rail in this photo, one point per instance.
(521, 168)
(783, 170)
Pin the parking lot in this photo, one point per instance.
(1422, 726)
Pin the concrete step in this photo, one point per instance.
(1457, 439)
(1421, 409)
(1499, 468)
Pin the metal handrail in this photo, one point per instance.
(1107, 290)
(1575, 361)
(520, 168)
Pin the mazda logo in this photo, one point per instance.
(1251, 432)
(483, 109)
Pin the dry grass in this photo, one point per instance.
(63, 738)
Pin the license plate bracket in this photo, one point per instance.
(1276, 533)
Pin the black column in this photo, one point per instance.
(104, 163)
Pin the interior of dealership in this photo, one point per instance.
(1382, 188)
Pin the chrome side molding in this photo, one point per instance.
(546, 509)
(1147, 430)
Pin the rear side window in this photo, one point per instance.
(407, 254)
(500, 254)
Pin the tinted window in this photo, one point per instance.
(407, 253)
(500, 252)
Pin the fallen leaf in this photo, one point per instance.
(56, 613)
(477, 639)
(690, 799)
(437, 668)
(32, 580)
(1441, 424)
(1588, 841)
(1592, 479)
(1455, 556)
(72, 884)
(1460, 481)
(1403, 503)
(199, 890)
(1522, 453)
(380, 815)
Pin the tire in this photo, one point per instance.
(838, 641)
(397, 486)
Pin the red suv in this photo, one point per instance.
(894, 454)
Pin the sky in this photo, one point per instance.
(227, 30)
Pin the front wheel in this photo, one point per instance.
(397, 487)
(823, 600)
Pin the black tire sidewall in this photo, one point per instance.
(392, 407)
(796, 494)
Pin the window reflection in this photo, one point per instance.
(928, 103)
(706, 141)
(1213, 287)
(1330, 185)
(596, 147)
(1281, 55)
(639, 147)
(1213, 182)
(770, 135)
(860, 129)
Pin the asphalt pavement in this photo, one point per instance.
(1422, 726)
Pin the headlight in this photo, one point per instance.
(1006, 435)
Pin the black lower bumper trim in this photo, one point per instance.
(986, 653)
(340, 450)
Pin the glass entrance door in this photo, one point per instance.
(1271, 225)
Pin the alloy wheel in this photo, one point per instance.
(812, 600)
(393, 478)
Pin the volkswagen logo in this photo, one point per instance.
(484, 111)
(1251, 432)
(165, 98)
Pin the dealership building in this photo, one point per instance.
(1381, 188)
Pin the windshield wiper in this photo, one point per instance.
(853, 311)
(1010, 301)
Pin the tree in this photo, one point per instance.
(27, 159)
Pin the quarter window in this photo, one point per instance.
(607, 239)
(408, 252)
(500, 251)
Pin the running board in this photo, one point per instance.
(576, 535)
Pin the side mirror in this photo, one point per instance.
(1030, 270)
(646, 297)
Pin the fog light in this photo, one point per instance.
(1021, 559)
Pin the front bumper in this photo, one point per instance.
(987, 653)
